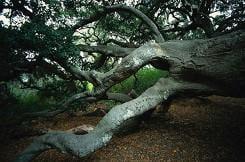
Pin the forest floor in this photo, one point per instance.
(194, 130)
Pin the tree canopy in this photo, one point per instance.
(45, 37)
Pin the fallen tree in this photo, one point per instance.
(197, 67)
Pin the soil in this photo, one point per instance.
(194, 130)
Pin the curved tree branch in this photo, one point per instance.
(157, 35)
(82, 145)
(115, 8)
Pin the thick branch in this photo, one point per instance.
(119, 116)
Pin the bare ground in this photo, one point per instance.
(194, 130)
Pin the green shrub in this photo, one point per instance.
(125, 86)
(28, 100)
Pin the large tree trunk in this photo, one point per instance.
(217, 62)
(197, 67)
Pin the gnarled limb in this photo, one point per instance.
(119, 116)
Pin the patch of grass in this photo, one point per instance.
(146, 77)
(125, 86)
